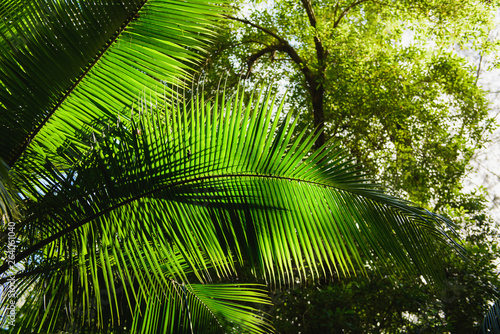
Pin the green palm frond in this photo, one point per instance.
(205, 308)
(193, 194)
(491, 322)
(65, 64)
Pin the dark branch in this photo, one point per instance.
(345, 11)
(479, 68)
(310, 12)
(336, 8)
(253, 58)
(283, 46)
(320, 50)
(265, 30)
(314, 81)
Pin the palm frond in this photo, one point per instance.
(491, 322)
(193, 194)
(206, 308)
(55, 55)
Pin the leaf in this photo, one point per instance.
(155, 201)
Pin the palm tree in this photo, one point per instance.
(143, 210)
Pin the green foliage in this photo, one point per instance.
(393, 87)
(402, 98)
(384, 303)
(8, 206)
(57, 55)
(170, 199)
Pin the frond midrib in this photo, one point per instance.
(24, 254)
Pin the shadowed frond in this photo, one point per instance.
(207, 308)
(491, 322)
(64, 64)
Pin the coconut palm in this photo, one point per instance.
(146, 210)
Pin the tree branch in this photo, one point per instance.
(283, 46)
(479, 67)
(345, 11)
(314, 81)
(320, 50)
(253, 58)
(233, 45)
(248, 42)
(336, 8)
(265, 30)
(310, 12)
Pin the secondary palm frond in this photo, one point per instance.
(195, 193)
(64, 64)
(491, 322)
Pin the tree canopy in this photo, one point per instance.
(386, 79)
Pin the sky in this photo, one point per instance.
(485, 163)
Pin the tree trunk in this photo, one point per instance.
(317, 92)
